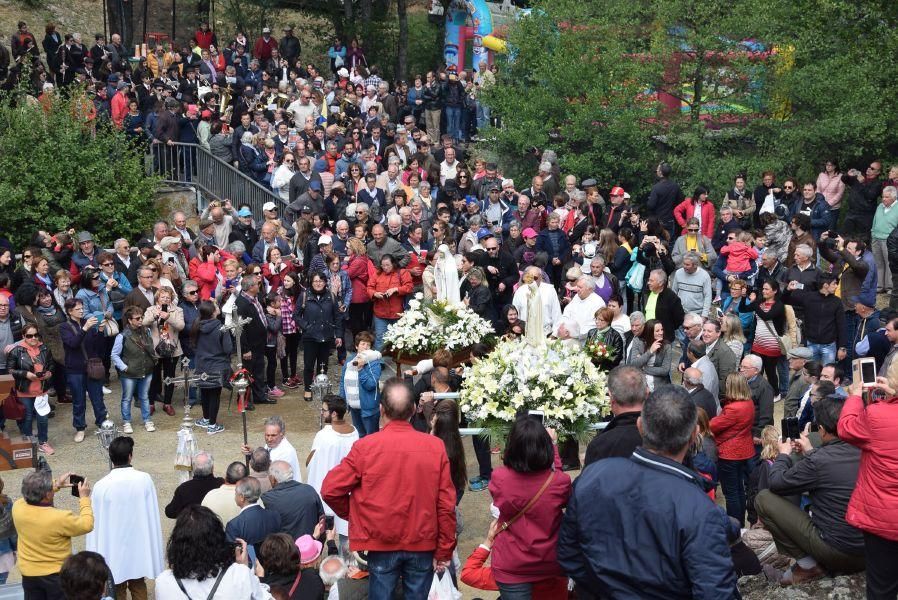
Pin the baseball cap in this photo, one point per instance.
(324, 239)
(245, 212)
(528, 233)
(589, 183)
(315, 185)
(494, 186)
(266, 30)
(269, 206)
(617, 191)
(484, 233)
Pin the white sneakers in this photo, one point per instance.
(149, 426)
(106, 391)
(79, 436)
(126, 428)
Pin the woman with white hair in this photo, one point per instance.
(249, 159)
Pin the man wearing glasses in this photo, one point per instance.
(144, 294)
(501, 272)
(863, 192)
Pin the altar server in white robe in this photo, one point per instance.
(330, 446)
(127, 531)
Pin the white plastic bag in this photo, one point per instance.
(769, 204)
(442, 588)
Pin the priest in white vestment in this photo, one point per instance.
(127, 531)
(583, 306)
(551, 308)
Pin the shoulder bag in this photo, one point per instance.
(211, 593)
(506, 524)
(13, 409)
(784, 341)
(94, 367)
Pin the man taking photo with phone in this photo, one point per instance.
(45, 533)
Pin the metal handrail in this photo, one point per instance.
(191, 164)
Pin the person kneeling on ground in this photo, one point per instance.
(822, 541)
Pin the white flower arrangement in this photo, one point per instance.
(427, 327)
(554, 378)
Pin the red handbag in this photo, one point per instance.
(12, 408)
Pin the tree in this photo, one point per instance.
(402, 41)
(56, 173)
(714, 87)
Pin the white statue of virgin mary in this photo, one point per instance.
(446, 276)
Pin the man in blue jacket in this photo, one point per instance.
(643, 526)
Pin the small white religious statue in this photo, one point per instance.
(446, 276)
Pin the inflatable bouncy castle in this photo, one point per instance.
(476, 25)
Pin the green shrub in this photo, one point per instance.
(55, 173)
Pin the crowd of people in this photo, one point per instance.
(709, 309)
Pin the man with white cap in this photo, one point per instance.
(262, 50)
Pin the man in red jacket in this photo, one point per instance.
(263, 47)
(395, 490)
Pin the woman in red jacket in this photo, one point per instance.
(388, 289)
(524, 552)
(735, 448)
(207, 269)
(274, 268)
(874, 504)
(700, 207)
(357, 266)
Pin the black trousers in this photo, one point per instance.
(881, 556)
(288, 363)
(769, 363)
(256, 368)
(271, 363)
(211, 399)
(314, 356)
(481, 451)
(45, 587)
(165, 367)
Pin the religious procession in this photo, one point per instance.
(343, 331)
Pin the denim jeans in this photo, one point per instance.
(81, 386)
(142, 387)
(380, 328)
(385, 569)
(43, 423)
(733, 476)
(364, 425)
(453, 122)
(782, 374)
(823, 353)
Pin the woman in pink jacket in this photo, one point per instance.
(829, 183)
(524, 552)
(700, 207)
(873, 427)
